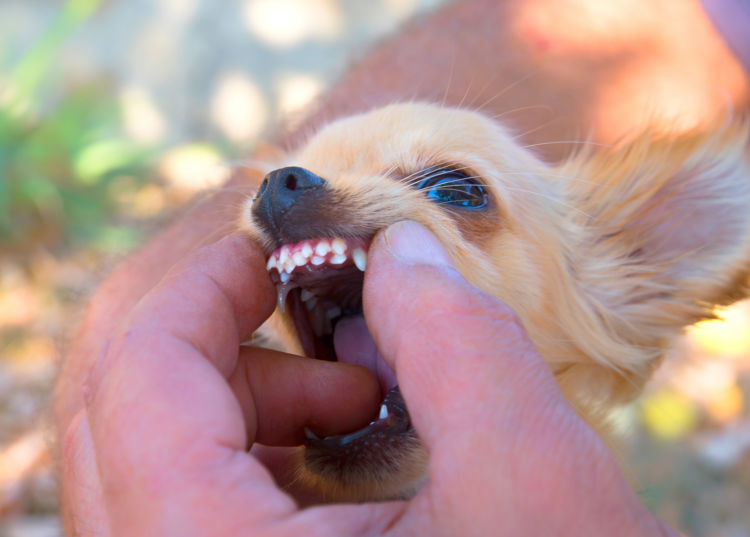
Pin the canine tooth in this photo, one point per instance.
(322, 248)
(337, 259)
(383, 412)
(282, 291)
(317, 260)
(306, 295)
(306, 250)
(360, 258)
(299, 259)
(310, 304)
(289, 265)
(285, 276)
(283, 255)
(338, 246)
(333, 312)
(271, 263)
(311, 435)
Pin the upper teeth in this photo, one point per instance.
(315, 252)
(338, 246)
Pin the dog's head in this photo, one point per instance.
(604, 258)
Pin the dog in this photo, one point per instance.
(605, 257)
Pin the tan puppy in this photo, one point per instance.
(605, 258)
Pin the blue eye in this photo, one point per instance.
(452, 187)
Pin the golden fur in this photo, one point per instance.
(605, 257)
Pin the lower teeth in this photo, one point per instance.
(393, 418)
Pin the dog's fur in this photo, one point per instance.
(605, 258)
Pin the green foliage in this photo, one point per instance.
(59, 151)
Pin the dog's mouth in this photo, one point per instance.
(319, 283)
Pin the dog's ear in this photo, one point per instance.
(662, 237)
(674, 215)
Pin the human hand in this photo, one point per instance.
(160, 448)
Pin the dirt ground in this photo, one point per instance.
(203, 85)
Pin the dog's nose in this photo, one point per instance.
(280, 190)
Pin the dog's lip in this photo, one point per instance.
(393, 419)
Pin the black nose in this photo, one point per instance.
(281, 190)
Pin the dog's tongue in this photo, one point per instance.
(354, 345)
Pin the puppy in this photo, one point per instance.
(605, 258)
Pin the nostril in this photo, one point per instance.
(291, 182)
(283, 186)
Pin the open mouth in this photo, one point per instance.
(319, 283)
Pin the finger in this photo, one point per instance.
(502, 439)
(280, 394)
(213, 217)
(451, 344)
(82, 508)
(479, 395)
(168, 431)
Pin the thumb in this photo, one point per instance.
(464, 363)
(504, 444)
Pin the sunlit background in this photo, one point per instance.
(113, 113)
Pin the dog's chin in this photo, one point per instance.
(319, 284)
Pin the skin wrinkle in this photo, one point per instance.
(222, 437)
(77, 458)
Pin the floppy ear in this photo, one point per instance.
(663, 237)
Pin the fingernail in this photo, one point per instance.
(414, 244)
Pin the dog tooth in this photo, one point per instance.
(338, 246)
(306, 295)
(282, 291)
(311, 435)
(383, 412)
(333, 312)
(322, 248)
(283, 255)
(310, 304)
(317, 260)
(299, 259)
(337, 259)
(285, 276)
(360, 258)
(289, 265)
(271, 263)
(306, 250)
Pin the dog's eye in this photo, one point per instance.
(452, 187)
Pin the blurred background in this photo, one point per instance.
(114, 113)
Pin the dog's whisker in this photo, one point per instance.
(582, 142)
(521, 109)
(507, 88)
(569, 178)
(551, 198)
